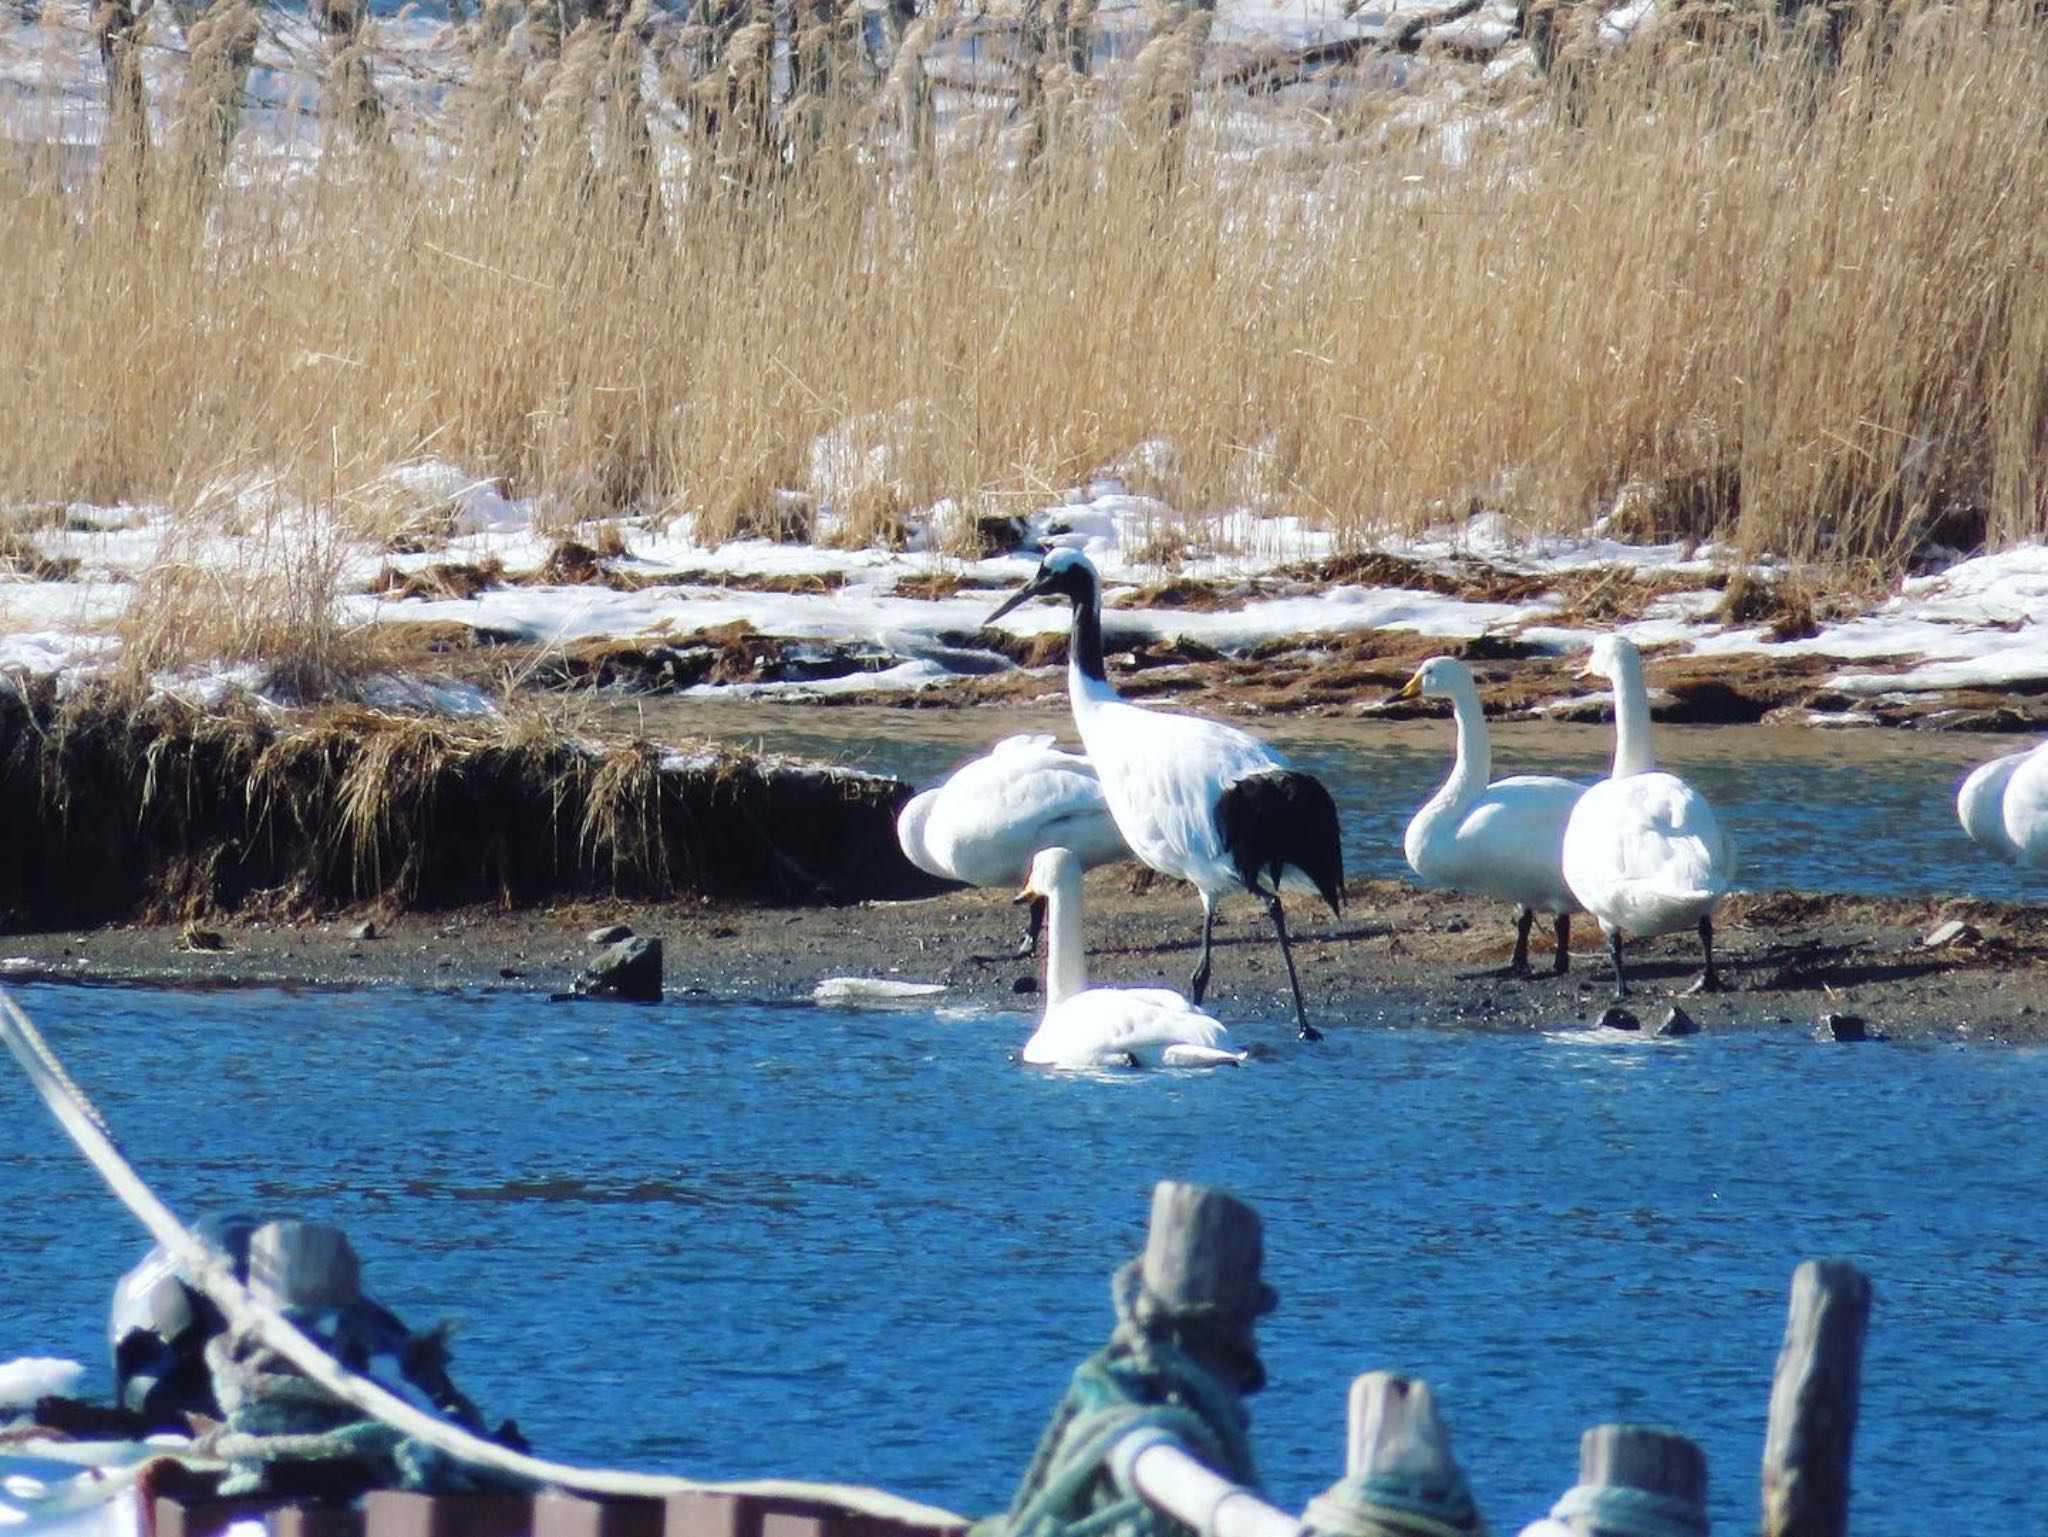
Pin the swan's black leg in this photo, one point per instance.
(1562, 961)
(1614, 949)
(1198, 984)
(1710, 979)
(1307, 1031)
(1034, 925)
(1518, 966)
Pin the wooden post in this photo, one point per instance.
(1633, 1480)
(1813, 1402)
(1205, 1247)
(1397, 1439)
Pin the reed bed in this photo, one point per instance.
(1733, 288)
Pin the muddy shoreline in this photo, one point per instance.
(1399, 955)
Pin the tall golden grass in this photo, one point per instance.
(1807, 305)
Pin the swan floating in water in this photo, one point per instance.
(1087, 1026)
(1195, 799)
(2003, 806)
(985, 823)
(1643, 851)
(1503, 840)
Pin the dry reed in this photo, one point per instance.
(1814, 302)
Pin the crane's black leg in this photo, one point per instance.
(1614, 949)
(1198, 984)
(1034, 925)
(1562, 961)
(1710, 979)
(1307, 1031)
(1519, 965)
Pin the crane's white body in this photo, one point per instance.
(991, 816)
(2003, 806)
(1087, 1026)
(1643, 851)
(1504, 839)
(1161, 774)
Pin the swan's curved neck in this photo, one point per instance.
(1474, 763)
(1632, 754)
(1066, 965)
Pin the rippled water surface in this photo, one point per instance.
(729, 1240)
(1861, 811)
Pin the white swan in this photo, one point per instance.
(1195, 799)
(989, 818)
(2003, 806)
(1643, 851)
(1087, 1026)
(1503, 840)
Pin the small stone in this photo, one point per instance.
(510, 973)
(1615, 1017)
(1677, 1022)
(1456, 925)
(610, 934)
(197, 938)
(1024, 985)
(1953, 932)
(630, 969)
(367, 929)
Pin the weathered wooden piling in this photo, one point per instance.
(1813, 1402)
(1634, 1481)
(1205, 1249)
(1399, 1473)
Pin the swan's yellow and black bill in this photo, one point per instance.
(1412, 689)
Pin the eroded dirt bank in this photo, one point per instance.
(1399, 956)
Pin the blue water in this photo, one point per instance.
(727, 1240)
(1863, 812)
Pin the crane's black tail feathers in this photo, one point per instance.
(1279, 818)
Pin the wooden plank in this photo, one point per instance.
(177, 1517)
(557, 1514)
(393, 1513)
(315, 1521)
(1814, 1397)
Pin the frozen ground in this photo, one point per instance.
(915, 616)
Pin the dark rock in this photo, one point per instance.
(629, 970)
(1615, 1017)
(367, 929)
(610, 934)
(1677, 1022)
(197, 938)
(1024, 985)
(1845, 1027)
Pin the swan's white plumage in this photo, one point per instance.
(1503, 839)
(2025, 808)
(2003, 806)
(1087, 1026)
(993, 814)
(1643, 851)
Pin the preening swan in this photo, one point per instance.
(2003, 806)
(1503, 840)
(989, 818)
(1643, 851)
(1195, 799)
(1087, 1026)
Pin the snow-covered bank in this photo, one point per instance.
(870, 621)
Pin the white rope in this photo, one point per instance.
(209, 1270)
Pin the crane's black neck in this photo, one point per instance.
(1084, 640)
